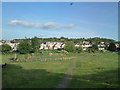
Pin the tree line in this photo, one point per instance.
(32, 45)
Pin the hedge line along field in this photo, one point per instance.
(91, 71)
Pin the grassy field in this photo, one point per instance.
(45, 71)
(100, 71)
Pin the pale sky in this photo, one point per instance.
(60, 19)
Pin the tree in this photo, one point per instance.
(5, 48)
(70, 47)
(24, 47)
(118, 49)
(112, 47)
(90, 49)
(106, 46)
(93, 48)
(0, 48)
(35, 43)
(79, 49)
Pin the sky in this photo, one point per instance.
(59, 19)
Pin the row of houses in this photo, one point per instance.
(52, 45)
(57, 45)
(85, 45)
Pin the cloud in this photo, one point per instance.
(42, 35)
(48, 25)
(24, 24)
(69, 26)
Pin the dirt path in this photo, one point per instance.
(66, 80)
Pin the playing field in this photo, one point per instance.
(47, 71)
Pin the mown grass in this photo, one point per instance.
(34, 74)
(100, 71)
(90, 72)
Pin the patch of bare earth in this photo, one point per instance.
(66, 80)
(63, 58)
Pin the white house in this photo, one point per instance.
(52, 45)
(86, 45)
(101, 46)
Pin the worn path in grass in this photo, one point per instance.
(66, 80)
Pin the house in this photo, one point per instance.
(1, 43)
(101, 46)
(77, 45)
(12, 44)
(117, 45)
(43, 46)
(85, 45)
(52, 45)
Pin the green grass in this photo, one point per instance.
(98, 71)
(90, 72)
(34, 74)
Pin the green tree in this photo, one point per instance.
(24, 47)
(79, 49)
(94, 47)
(70, 47)
(90, 49)
(112, 47)
(5, 48)
(35, 43)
